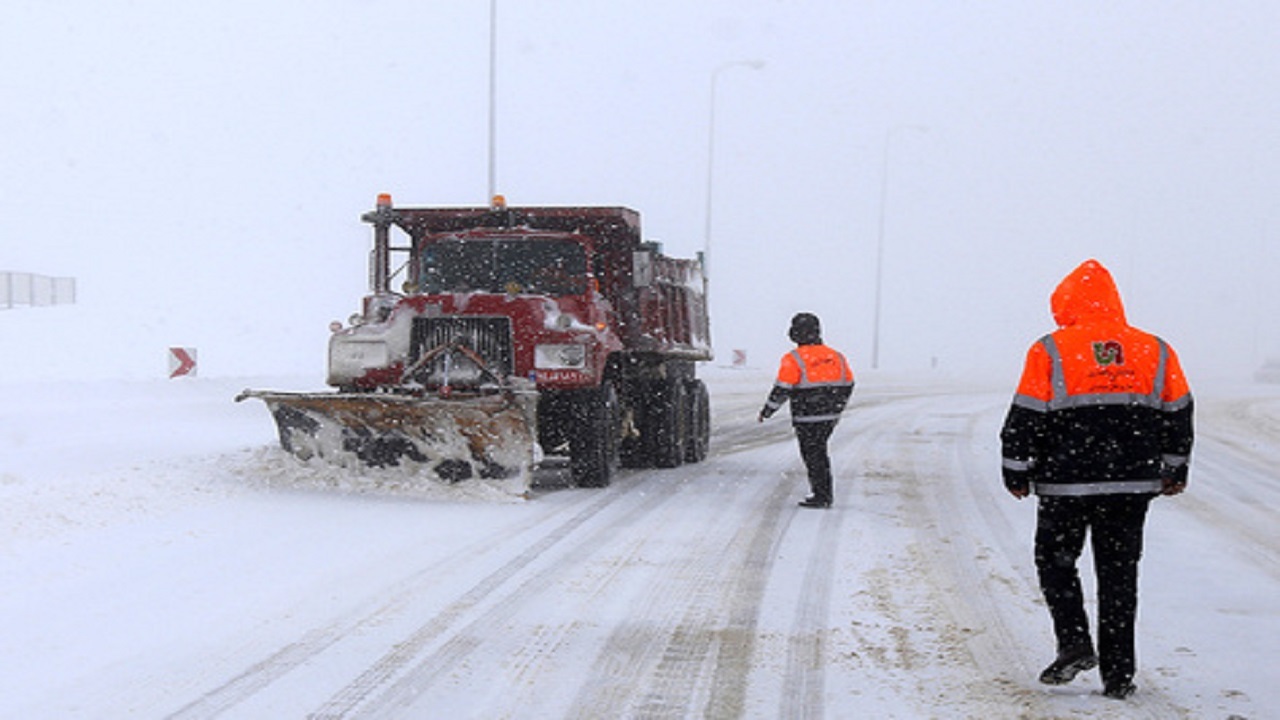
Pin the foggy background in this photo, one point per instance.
(201, 168)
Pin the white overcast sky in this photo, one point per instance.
(201, 167)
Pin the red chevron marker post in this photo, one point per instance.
(182, 362)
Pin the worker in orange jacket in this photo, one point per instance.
(817, 381)
(1101, 423)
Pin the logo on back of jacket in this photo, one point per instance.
(824, 365)
(1109, 373)
(1108, 353)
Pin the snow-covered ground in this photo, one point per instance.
(161, 557)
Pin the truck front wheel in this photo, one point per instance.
(593, 446)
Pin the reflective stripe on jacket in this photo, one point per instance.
(818, 382)
(1102, 407)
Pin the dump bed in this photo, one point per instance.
(660, 302)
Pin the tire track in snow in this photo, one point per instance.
(688, 651)
(1248, 425)
(1233, 486)
(919, 451)
(392, 683)
(262, 674)
(805, 673)
(864, 450)
(737, 642)
(982, 579)
(892, 629)
(1234, 498)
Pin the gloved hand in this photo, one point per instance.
(761, 417)
(1017, 481)
(1173, 479)
(1017, 487)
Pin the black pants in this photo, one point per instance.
(1115, 524)
(813, 438)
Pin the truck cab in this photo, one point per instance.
(570, 299)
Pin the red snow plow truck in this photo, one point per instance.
(512, 327)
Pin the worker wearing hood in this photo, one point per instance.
(1100, 424)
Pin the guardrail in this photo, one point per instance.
(20, 288)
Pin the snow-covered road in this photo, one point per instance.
(161, 558)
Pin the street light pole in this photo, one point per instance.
(711, 145)
(493, 92)
(884, 195)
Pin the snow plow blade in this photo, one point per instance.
(484, 435)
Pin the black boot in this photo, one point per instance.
(1119, 690)
(813, 502)
(1070, 662)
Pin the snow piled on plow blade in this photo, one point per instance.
(486, 436)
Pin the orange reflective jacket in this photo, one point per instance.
(1096, 357)
(811, 365)
(818, 382)
(1102, 407)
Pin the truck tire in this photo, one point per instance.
(699, 424)
(669, 422)
(593, 448)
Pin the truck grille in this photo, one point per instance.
(489, 337)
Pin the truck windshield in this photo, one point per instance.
(542, 266)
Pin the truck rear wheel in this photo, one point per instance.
(593, 447)
(669, 422)
(699, 441)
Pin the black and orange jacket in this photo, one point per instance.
(1102, 407)
(818, 382)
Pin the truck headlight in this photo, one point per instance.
(557, 357)
(353, 357)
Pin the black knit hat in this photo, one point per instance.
(805, 329)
